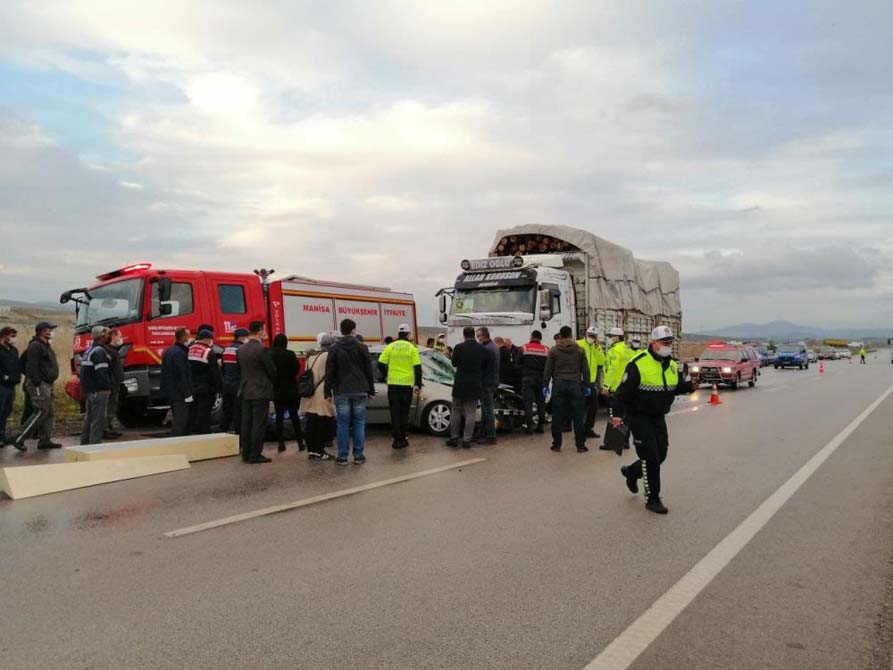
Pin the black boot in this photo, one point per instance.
(281, 447)
(631, 482)
(656, 505)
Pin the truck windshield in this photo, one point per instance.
(499, 300)
(111, 304)
(720, 355)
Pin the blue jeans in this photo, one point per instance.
(350, 410)
(488, 411)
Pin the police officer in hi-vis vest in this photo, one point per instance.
(650, 384)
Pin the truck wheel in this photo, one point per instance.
(776, 366)
(437, 418)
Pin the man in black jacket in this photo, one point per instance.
(41, 372)
(116, 377)
(97, 385)
(207, 382)
(176, 381)
(533, 365)
(350, 382)
(232, 412)
(10, 377)
(469, 360)
(490, 381)
(257, 372)
(567, 369)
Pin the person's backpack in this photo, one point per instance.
(307, 383)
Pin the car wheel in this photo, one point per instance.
(807, 366)
(753, 379)
(737, 381)
(437, 418)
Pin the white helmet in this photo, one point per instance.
(595, 332)
(616, 331)
(662, 333)
(404, 328)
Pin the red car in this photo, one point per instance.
(723, 363)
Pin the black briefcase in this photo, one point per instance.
(616, 438)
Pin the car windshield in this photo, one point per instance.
(111, 304)
(437, 368)
(500, 300)
(720, 355)
(789, 349)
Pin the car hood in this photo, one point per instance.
(717, 363)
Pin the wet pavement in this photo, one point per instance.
(530, 559)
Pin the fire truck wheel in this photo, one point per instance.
(437, 418)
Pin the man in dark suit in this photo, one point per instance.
(257, 371)
(176, 382)
(468, 359)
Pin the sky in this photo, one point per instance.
(748, 143)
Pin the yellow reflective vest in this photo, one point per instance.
(615, 363)
(401, 357)
(595, 358)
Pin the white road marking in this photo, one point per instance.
(237, 518)
(627, 647)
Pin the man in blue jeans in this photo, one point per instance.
(349, 380)
(568, 370)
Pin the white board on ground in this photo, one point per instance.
(26, 481)
(194, 447)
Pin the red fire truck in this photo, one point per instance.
(148, 305)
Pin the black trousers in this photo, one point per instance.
(400, 402)
(532, 391)
(651, 441)
(254, 427)
(567, 403)
(200, 412)
(232, 409)
(591, 404)
(289, 405)
(180, 415)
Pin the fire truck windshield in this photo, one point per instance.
(112, 304)
(495, 300)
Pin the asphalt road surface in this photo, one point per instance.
(777, 552)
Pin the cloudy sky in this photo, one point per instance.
(749, 143)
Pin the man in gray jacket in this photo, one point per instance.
(490, 380)
(256, 371)
(568, 371)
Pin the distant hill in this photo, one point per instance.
(785, 330)
(43, 305)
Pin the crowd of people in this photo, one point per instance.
(571, 380)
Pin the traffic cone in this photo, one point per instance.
(821, 367)
(714, 397)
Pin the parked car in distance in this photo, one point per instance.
(766, 357)
(792, 355)
(813, 355)
(826, 353)
(845, 353)
(729, 364)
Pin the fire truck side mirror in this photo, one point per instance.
(165, 309)
(545, 297)
(442, 307)
(164, 290)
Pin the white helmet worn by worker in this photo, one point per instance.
(616, 332)
(594, 332)
(404, 328)
(662, 333)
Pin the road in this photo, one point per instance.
(527, 559)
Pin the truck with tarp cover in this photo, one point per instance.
(543, 277)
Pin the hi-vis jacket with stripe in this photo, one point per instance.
(94, 371)
(650, 385)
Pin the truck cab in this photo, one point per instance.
(148, 306)
(511, 296)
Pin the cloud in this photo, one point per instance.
(383, 142)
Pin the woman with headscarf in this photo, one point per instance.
(320, 412)
(285, 390)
